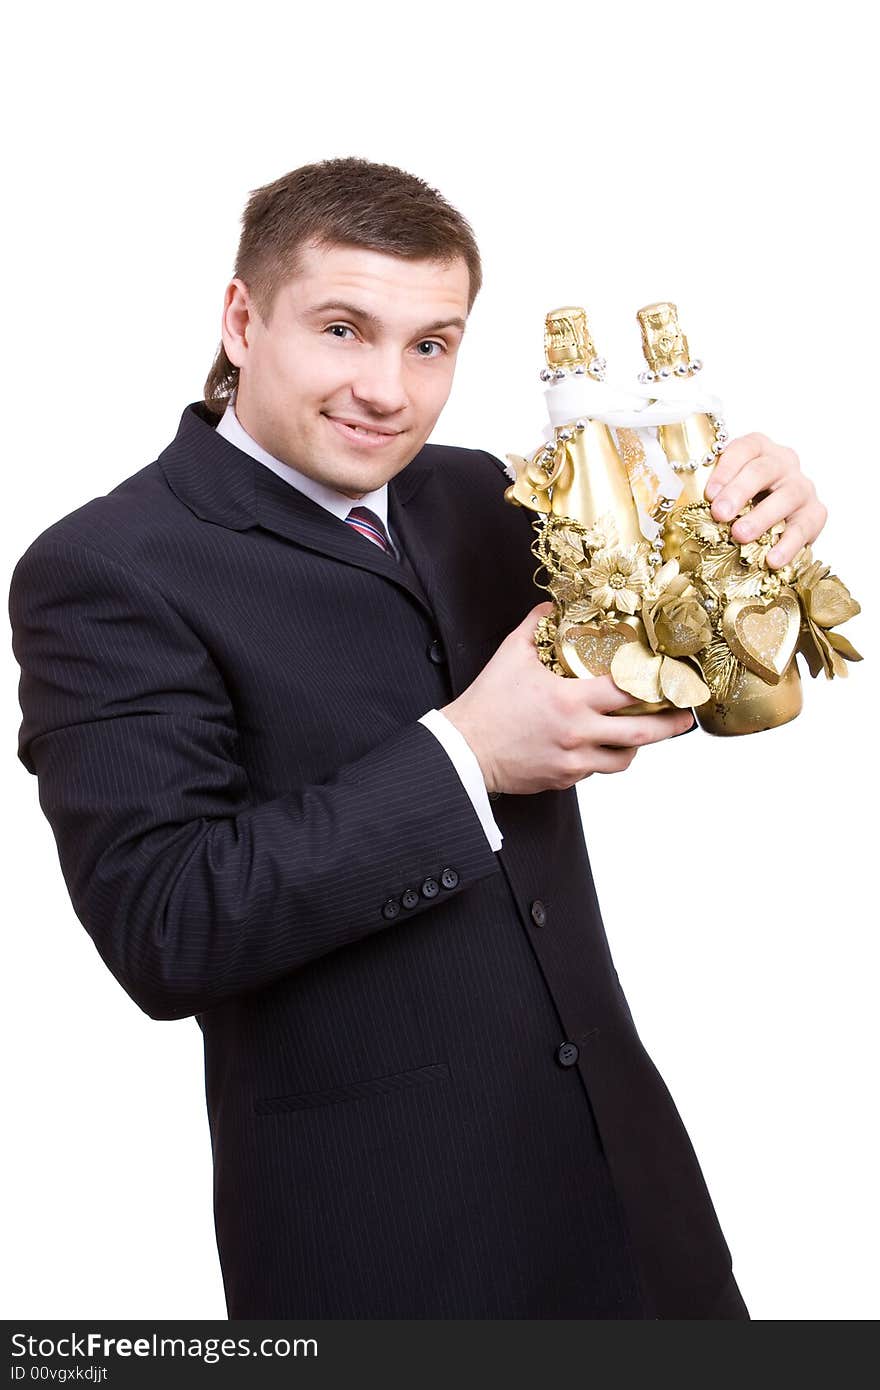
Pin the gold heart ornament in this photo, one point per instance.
(763, 633)
(587, 649)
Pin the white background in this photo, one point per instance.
(608, 156)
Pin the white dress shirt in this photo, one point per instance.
(456, 745)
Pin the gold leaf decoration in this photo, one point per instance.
(569, 536)
(681, 684)
(844, 646)
(721, 669)
(566, 589)
(829, 648)
(697, 522)
(747, 585)
(637, 671)
(720, 562)
(564, 551)
(810, 650)
(583, 610)
(690, 555)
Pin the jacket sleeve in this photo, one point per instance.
(191, 891)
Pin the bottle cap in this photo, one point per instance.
(567, 341)
(663, 342)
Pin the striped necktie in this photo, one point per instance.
(366, 523)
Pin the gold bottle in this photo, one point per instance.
(750, 704)
(588, 478)
(647, 586)
(691, 445)
(579, 477)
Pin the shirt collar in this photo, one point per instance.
(231, 428)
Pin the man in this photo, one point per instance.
(270, 684)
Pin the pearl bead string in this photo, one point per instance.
(595, 367)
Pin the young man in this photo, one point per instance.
(270, 684)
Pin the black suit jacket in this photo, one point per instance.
(426, 1094)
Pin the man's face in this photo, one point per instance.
(355, 339)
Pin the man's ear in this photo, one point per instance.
(237, 314)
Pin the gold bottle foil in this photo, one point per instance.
(663, 342)
(567, 341)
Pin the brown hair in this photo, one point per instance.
(347, 202)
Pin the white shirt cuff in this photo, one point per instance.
(465, 763)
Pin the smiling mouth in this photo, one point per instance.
(363, 431)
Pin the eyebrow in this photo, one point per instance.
(339, 306)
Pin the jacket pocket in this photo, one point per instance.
(355, 1090)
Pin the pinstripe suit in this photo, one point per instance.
(425, 1092)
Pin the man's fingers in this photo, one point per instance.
(530, 621)
(757, 475)
(784, 502)
(605, 697)
(737, 453)
(798, 532)
(638, 729)
(613, 759)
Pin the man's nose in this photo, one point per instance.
(380, 381)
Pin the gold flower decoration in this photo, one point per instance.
(675, 625)
(771, 584)
(545, 641)
(616, 578)
(825, 600)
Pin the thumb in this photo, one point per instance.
(527, 627)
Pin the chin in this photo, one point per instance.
(367, 475)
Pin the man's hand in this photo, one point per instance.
(533, 731)
(751, 465)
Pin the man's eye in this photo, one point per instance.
(337, 329)
(429, 342)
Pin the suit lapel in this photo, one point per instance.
(223, 485)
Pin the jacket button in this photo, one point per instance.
(436, 652)
(567, 1054)
(390, 910)
(449, 878)
(410, 898)
(430, 888)
(539, 912)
